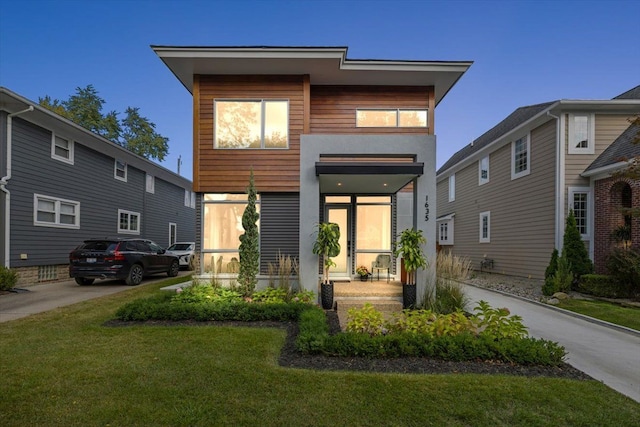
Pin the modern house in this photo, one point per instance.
(61, 184)
(504, 198)
(328, 139)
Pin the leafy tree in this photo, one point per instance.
(141, 137)
(134, 132)
(574, 251)
(249, 253)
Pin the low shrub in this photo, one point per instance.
(204, 292)
(365, 320)
(624, 267)
(461, 347)
(270, 295)
(601, 285)
(8, 278)
(313, 330)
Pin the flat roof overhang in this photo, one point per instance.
(366, 177)
(324, 65)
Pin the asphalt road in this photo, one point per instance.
(605, 352)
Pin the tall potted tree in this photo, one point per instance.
(408, 247)
(327, 245)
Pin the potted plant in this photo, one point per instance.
(408, 247)
(327, 245)
(363, 272)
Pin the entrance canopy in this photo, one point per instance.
(366, 177)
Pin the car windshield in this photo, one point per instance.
(180, 247)
(100, 245)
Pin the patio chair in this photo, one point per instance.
(382, 262)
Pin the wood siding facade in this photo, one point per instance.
(312, 109)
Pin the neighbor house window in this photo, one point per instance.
(452, 188)
(128, 222)
(483, 170)
(222, 228)
(581, 134)
(173, 233)
(579, 203)
(151, 184)
(120, 170)
(55, 212)
(251, 124)
(395, 118)
(445, 229)
(485, 227)
(189, 199)
(61, 149)
(520, 157)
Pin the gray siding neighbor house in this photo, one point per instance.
(503, 199)
(61, 184)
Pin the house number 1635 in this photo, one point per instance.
(426, 208)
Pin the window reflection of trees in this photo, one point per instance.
(239, 124)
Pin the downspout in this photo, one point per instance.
(559, 185)
(3, 183)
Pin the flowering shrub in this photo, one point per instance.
(362, 271)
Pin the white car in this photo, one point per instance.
(184, 251)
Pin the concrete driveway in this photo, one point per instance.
(44, 297)
(606, 352)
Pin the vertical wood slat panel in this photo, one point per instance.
(333, 108)
(275, 169)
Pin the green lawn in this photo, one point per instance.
(609, 312)
(63, 368)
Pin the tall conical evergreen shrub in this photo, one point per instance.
(574, 250)
(249, 243)
(549, 287)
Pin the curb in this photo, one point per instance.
(562, 310)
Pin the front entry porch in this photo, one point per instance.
(384, 296)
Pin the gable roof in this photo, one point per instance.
(12, 102)
(513, 120)
(620, 151)
(630, 94)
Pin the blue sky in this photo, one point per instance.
(524, 52)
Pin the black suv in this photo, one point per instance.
(127, 259)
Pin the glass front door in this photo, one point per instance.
(341, 216)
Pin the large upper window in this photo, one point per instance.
(483, 170)
(581, 134)
(401, 118)
(251, 124)
(520, 157)
(55, 212)
(61, 149)
(128, 222)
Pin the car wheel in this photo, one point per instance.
(83, 282)
(174, 269)
(135, 275)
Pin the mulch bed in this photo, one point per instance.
(290, 357)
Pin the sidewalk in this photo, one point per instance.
(606, 352)
(44, 297)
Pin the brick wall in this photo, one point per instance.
(607, 216)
